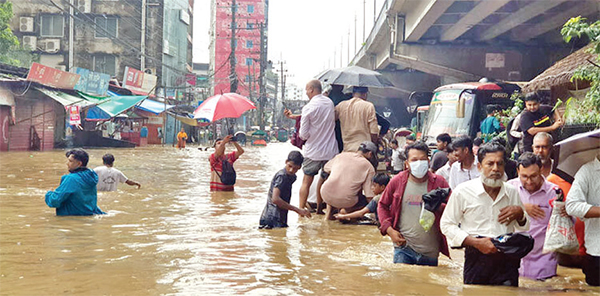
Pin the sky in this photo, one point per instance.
(305, 34)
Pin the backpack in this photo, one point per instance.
(228, 174)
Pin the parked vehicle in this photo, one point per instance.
(458, 109)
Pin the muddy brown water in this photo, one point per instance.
(174, 237)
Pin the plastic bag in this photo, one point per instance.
(426, 218)
(560, 234)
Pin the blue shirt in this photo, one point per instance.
(76, 195)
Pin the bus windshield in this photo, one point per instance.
(442, 115)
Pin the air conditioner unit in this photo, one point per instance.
(84, 6)
(50, 45)
(26, 24)
(30, 42)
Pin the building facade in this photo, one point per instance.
(249, 16)
(154, 36)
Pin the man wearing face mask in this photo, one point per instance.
(479, 210)
(400, 207)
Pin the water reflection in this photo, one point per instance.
(174, 236)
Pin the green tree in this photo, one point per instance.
(11, 51)
(588, 110)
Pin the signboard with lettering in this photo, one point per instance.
(138, 81)
(74, 117)
(52, 77)
(91, 82)
(494, 60)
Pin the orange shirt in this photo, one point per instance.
(181, 135)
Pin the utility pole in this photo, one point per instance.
(71, 37)
(374, 12)
(261, 76)
(143, 41)
(233, 79)
(364, 18)
(355, 33)
(348, 46)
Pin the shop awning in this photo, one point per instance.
(66, 99)
(153, 106)
(186, 120)
(112, 107)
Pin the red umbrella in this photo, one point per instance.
(228, 105)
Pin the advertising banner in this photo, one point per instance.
(74, 117)
(139, 82)
(52, 77)
(90, 82)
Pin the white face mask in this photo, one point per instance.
(419, 168)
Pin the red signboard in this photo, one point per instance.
(74, 117)
(138, 81)
(52, 77)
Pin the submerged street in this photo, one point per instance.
(173, 236)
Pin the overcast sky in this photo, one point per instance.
(306, 34)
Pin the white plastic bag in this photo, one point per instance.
(560, 234)
(426, 218)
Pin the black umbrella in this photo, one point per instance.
(354, 76)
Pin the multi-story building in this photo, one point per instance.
(250, 15)
(154, 36)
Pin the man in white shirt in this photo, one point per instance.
(465, 168)
(109, 177)
(479, 210)
(317, 127)
(444, 171)
(583, 201)
(397, 157)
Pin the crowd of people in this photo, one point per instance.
(490, 203)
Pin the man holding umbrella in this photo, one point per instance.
(358, 120)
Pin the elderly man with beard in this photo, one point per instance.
(479, 210)
(542, 147)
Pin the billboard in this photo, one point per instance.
(52, 77)
(139, 82)
(90, 82)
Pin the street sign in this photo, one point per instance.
(52, 77)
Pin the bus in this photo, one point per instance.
(458, 109)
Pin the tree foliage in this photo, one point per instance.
(587, 110)
(11, 51)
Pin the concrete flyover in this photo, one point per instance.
(422, 44)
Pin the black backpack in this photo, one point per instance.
(228, 175)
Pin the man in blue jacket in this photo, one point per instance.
(76, 195)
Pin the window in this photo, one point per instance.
(249, 44)
(105, 64)
(52, 26)
(248, 61)
(106, 24)
(250, 8)
(249, 26)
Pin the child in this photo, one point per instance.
(278, 201)
(380, 181)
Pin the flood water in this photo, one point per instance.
(174, 237)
